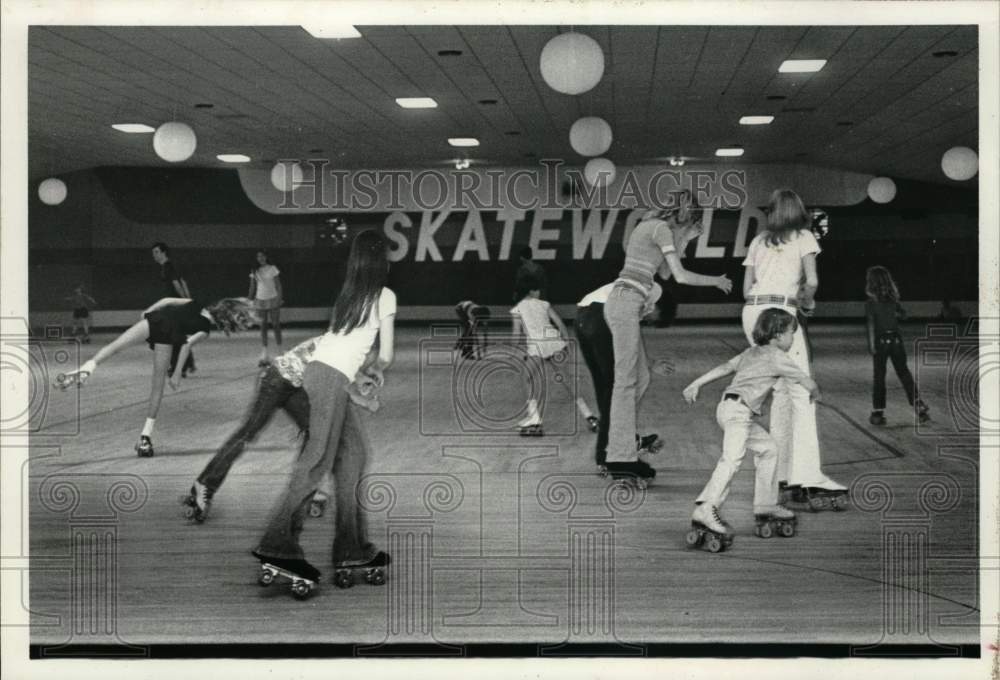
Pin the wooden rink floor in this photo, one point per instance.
(501, 538)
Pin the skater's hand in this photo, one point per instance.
(374, 374)
(691, 393)
(814, 393)
(724, 284)
(174, 382)
(664, 367)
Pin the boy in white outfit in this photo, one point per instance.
(757, 370)
(545, 340)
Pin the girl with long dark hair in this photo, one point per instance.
(267, 294)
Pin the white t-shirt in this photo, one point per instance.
(265, 277)
(778, 269)
(346, 351)
(543, 337)
(601, 295)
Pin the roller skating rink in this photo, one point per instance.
(496, 537)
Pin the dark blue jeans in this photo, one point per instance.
(889, 346)
(273, 392)
(598, 352)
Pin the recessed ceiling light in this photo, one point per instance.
(756, 120)
(776, 97)
(315, 150)
(944, 53)
(487, 102)
(233, 158)
(729, 151)
(133, 128)
(801, 65)
(844, 123)
(463, 141)
(449, 53)
(416, 102)
(331, 31)
(512, 133)
(204, 105)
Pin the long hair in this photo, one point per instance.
(879, 285)
(233, 314)
(682, 210)
(267, 259)
(367, 271)
(785, 214)
(771, 323)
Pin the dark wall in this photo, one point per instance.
(101, 236)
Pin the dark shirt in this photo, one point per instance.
(169, 274)
(187, 319)
(883, 316)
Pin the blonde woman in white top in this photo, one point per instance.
(780, 272)
(265, 291)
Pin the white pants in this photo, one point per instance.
(793, 416)
(742, 434)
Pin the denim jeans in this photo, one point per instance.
(337, 440)
(594, 336)
(889, 346)
(623, 311)
(273, 392)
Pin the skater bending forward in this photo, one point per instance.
(757, 370)
(168, 323)
(279, 387)
(364, 309)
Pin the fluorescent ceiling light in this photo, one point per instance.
(233, 158)
(416, 102)
(801, 65)
(133, 128)
(756, 120)
(463, 141)
(729, 151)
(327, 31)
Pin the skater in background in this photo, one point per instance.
(594, 337)
(651, 249)
(950, 313)
(883, 313)
(168, 323)
(364, 309)
(267, 294)
(545, 341)
(530, 275)
(757, 371)
(779, 258)
(475, 319)
(279, 387)
(81, 312)
(174, 286)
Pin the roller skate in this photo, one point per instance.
(373, 571)
(648, 443)
(774, 520)
(594, 423)
(636, 473)
(77, 377)
(877, 418)
(144, 449)
(197, 502)
(825, 499)
(790, 493)
(317, 506)
(923, 412)
(708, 530)
(302, 575)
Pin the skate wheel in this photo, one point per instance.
(713, 544)
(787, 530)
(189, 512)
(692, 538)
(727, 541)
(765, 530)
(816, 503)
(301, 589)
(315, 510)
(375, 577)
(266, 578)
(342, 579)
(840, 502)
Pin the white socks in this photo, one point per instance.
(147, 429)
(581, 405)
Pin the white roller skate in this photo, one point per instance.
(774, 520)
(317, 506)
(532, 425)
(708, 529)
(77, 377)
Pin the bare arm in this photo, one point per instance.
(682, 275)
(811, 284)
(516, 330)
(277, 287)
(870, 323)
(252, 293)
(165, 302)
(563, 333)
(183, 355)
(386, 350)
(749, 279)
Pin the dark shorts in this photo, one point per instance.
(81, 313)
(161, 330)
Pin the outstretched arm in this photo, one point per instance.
(688, 278)
(691, 391)
(165, 302)
(182, 356)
